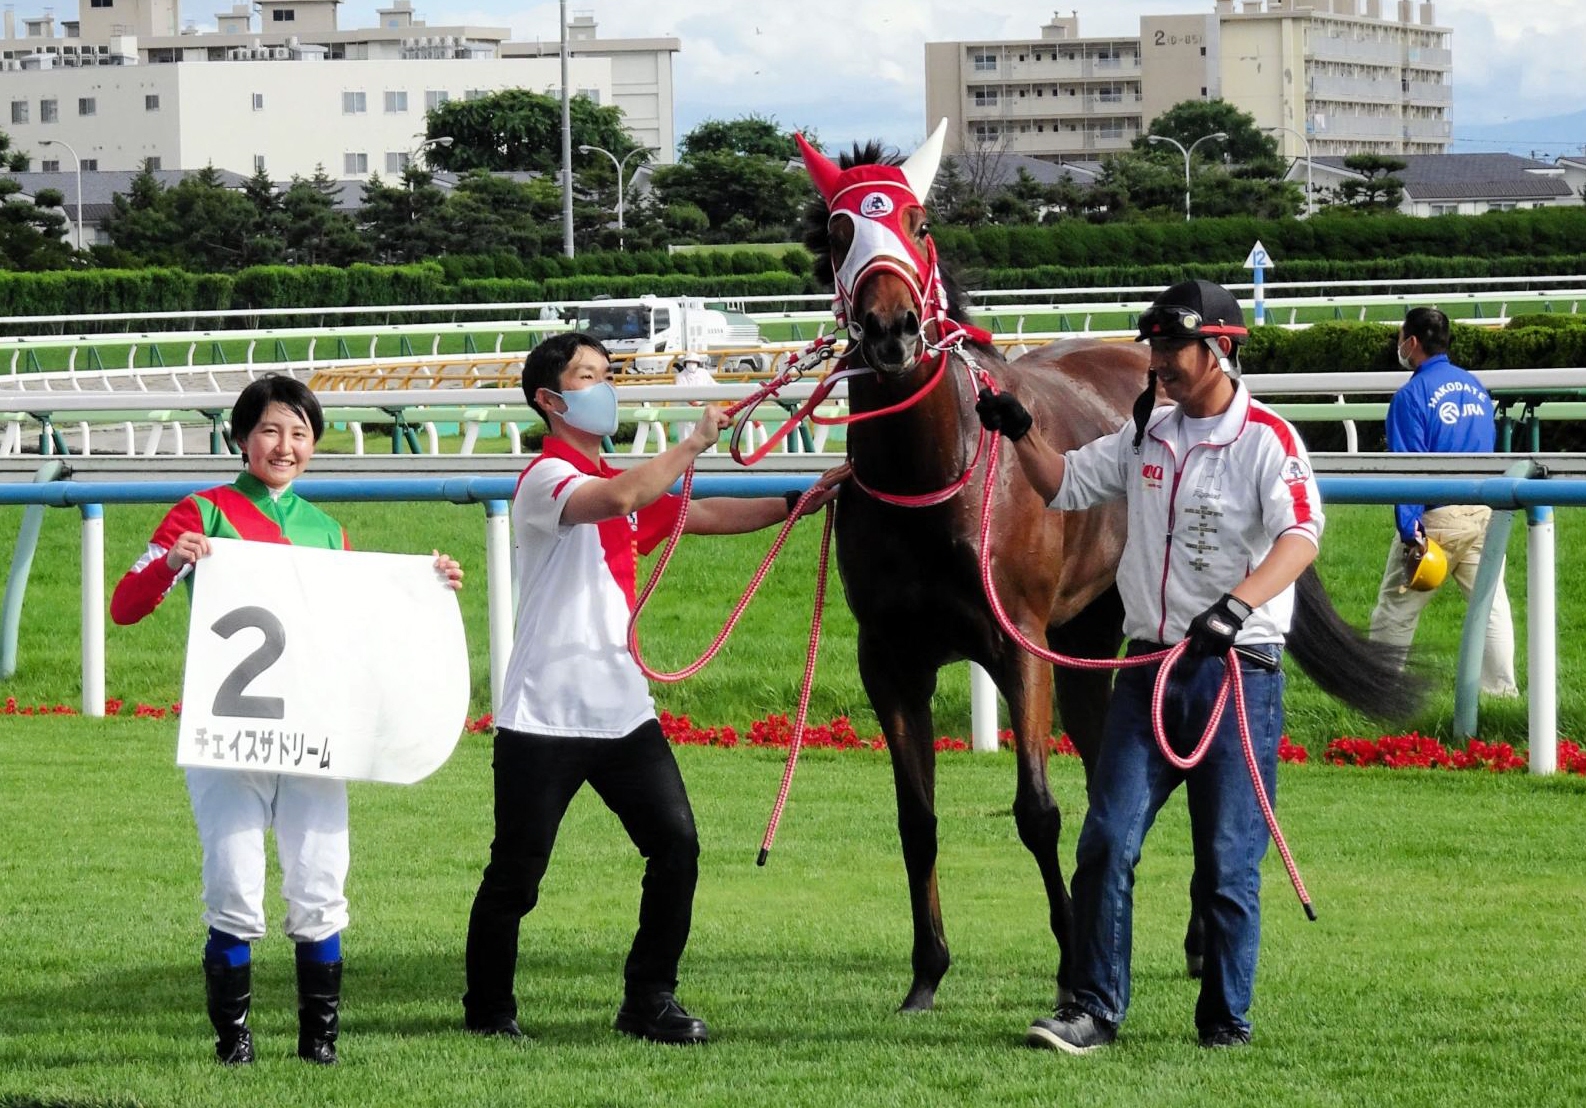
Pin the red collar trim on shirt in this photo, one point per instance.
(553, 447)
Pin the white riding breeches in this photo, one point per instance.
(233, 809)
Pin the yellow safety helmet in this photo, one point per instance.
(1431, 570)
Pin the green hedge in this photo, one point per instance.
(1336, 273)
(616, 263)
(1346, 348)
(499, 290)
(1539, 232)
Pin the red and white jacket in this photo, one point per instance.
(1199, 524)
(570, 673)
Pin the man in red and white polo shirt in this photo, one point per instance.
(575, 707)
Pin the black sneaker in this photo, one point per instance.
(1225, 1037)
(660, 1019)
(1072, 1030)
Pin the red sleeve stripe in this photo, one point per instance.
(1285, 436)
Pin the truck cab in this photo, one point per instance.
(653, 330)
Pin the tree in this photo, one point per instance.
(516, 129)
(31, 233)
(267, 238)
(406, 222)
(746, 195)
(1190, 120)
(490, 214)
(748, 136)
(316, 233)
(1378, 190)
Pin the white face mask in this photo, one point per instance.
(593, 409)
(1403, 360)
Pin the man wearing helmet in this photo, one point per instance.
(1440, 409)
(1223, 517)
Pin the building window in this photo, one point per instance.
(590, 94)
(480, 94)
(151, 102)
(101, 3)
(396, 101)
(355, 165)
(258, 163)
(984, 63)
(1443, 209)
(50, 165)
(354, 103)
(19, 111)
(90, 165)
(985, 98)
(284, 15)
(395, 161)
(434, 98)
(87, 106)
(152, 162)
(49, 111)
(258, 101)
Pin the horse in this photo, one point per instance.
(908, 528)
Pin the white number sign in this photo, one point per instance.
(327, 663)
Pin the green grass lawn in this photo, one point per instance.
(1444, 968)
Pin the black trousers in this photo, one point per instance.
(536, 778)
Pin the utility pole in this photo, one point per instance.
(567, 146)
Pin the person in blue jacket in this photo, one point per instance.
(1442, 409)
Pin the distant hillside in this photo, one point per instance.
(1545, 138)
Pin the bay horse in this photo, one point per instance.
(909, 560)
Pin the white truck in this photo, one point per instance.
(655, 329)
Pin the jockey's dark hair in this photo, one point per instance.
(274, 388)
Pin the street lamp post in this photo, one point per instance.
(1310, 196)
(619, 167)
(1155, 139)
(78, 165)
(413, 158)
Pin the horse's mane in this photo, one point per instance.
(817, 239)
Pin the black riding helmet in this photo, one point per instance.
(1190, 310)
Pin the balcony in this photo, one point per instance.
(1340, 128)
(1382, 89)
(1328, 49)
(1429, 129)
(1428, 92)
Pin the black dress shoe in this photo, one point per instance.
(506, 1028)
(660, 1019)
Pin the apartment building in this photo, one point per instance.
(1347, 75)
(124, 84)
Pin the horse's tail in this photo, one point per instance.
(1368, 676)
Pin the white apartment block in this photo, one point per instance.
(123, 84)
(1350, 75)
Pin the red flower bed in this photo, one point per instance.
(1411, 751)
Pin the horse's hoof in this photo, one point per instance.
(1194, 965)
(919, 1000)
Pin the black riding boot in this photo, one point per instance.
(229, 990)
(318, 999)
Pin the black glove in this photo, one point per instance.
(1001, 411)
(1214, 630)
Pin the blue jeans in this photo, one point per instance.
(1130, 784)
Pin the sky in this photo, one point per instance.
(852, 70)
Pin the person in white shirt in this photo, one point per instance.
(692, 372)
(575, 707)
(1223, 517)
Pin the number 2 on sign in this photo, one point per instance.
(231, 699)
